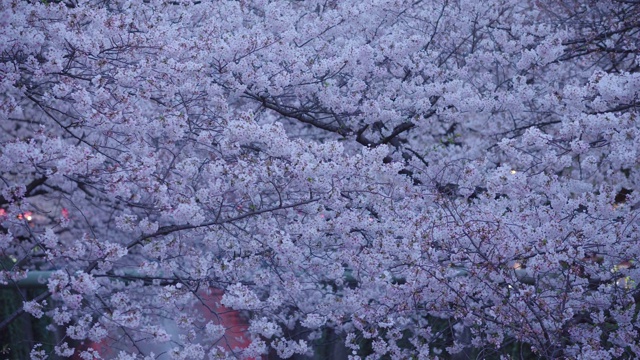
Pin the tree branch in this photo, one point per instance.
(301, 116)
(165, 230)
(29, 188)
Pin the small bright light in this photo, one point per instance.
(28, 217)
(512, 172)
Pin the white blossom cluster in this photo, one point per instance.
(416, 179)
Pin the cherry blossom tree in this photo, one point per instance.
(422, 178)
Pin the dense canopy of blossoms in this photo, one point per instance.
(422, 178)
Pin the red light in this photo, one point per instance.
(27, 215)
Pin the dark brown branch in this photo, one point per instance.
(301, 116)
(166, 230)
(29, 189)
(306, 118)
(406, 126)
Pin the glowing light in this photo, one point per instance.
(27, 216)
(512, 172)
